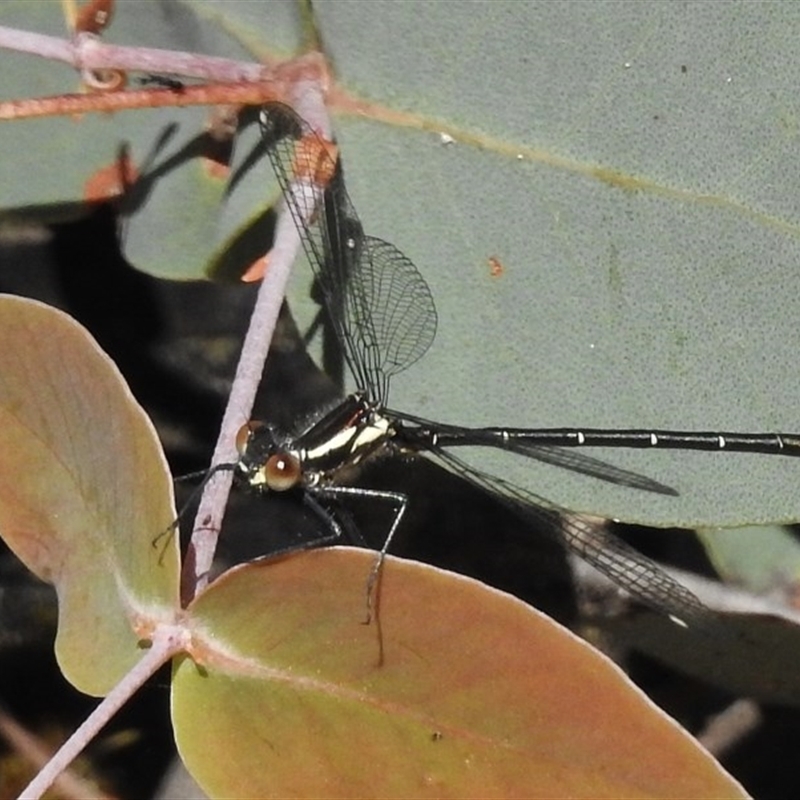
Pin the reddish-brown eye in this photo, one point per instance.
(282, 472)
(245, 434)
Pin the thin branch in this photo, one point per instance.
(726, 730)
(87, 51)
(167, 641)
(237, 82)
(249, 370)
(36, 752)
(38, 44)
(309, 101)
(206, 94)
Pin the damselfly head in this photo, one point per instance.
(263, 462)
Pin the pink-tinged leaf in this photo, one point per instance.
(472, 693)
(84, 490)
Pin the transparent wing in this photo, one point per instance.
(629, 569)
(587, 465)
(380, 305)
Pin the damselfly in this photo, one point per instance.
(384, 317)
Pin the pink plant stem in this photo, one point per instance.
(87, 51)
(225, 81)
(310, 104)
(167, 641)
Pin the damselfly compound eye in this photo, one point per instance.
(245, 435)
(282, 472)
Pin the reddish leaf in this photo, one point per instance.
(84, 490)
(477, 694)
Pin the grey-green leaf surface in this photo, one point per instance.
(647, 234)
(765, 560)
(611, 236)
